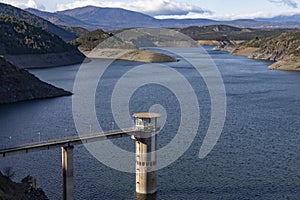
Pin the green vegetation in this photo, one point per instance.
(32, 19)
(78, 31)
(90, 40)
(18, 37)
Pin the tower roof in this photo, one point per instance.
(146, 115)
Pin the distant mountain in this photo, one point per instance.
(181, 23)
(60, 19)
(110, 19)
(30, 18)
(282, 18)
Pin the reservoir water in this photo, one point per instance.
(256, 157)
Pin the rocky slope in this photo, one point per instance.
(19, 85)
(284, 46)
(283, 49)
(29, 46)
(10, 190)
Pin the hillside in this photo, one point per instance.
(123, 46)
(10, 190)
(60, 19)
(283, 49)
(30, 46)
(78, 31)
(19, 37)
(280, 45)
(19, 85)
(30, 18)
(284, 46)
(224, 32)
(89, 41)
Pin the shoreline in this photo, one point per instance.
(135, 55)
(292, 65)
(19, 85)
(282, 64)
(32, 61)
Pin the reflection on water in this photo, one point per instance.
(257, 156)
(145, 197)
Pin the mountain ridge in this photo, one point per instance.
(6, 9)
(110, 19)
(282, 18)
(59, 19)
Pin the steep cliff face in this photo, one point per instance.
(19, 85)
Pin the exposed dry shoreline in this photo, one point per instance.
(46, 60)
(208, 42)
(130, 55)
(285, 64)
(288, 63)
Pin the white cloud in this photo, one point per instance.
(150, 7)
(290, 3)
(28, 4)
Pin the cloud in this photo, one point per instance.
(28, 4)
(290, 3)
(150, 7)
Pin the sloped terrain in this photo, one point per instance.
(19, 85)
(32, 19)
(30, 46)
(10, 190)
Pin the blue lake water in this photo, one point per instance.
(256, 157)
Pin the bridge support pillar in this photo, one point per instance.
(67, 168)
(146, 145)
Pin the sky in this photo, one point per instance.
(212, 9)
